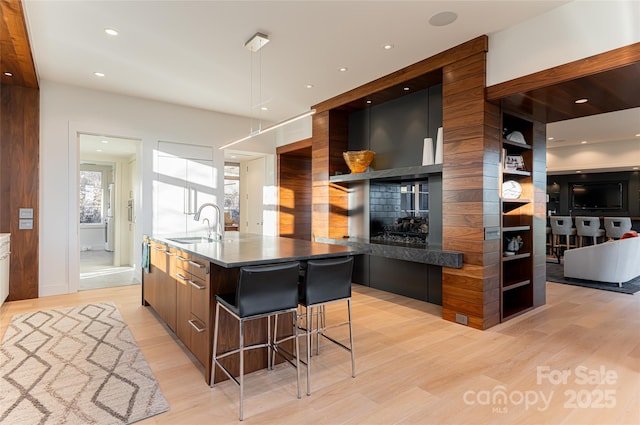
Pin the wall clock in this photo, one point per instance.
(511, 189)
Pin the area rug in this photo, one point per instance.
(77, 365)
(555, 273)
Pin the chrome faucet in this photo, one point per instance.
(220, 229)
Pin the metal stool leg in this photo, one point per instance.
(215, 346)
(241, 368)
(353, 358)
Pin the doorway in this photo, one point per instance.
(107, 186)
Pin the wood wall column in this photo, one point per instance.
(330, 201)
(470, 176)
(19, 184)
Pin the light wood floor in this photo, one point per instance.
(415, 368)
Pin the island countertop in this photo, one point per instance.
(247, 249)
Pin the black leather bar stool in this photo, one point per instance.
(262, 292)
(326, 281)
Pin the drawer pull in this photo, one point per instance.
(195, 285)
(167, 252)
(179, 258)
(179, 276)
(158, 248)
(199, 330)
(193, 263)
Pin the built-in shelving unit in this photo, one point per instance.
(394, 174)
(517, 220)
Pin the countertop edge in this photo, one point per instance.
(432, 256)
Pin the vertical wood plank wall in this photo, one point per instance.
(294, 183)
(19, 184)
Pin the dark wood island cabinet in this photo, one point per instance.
(184, 278)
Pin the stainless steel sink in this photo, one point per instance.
(193, 239)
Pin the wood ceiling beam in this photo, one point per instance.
(16, 56)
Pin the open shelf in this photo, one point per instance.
(516, 257)
(511, 144)
(392, 174)
(510, 286)
(516, 172)
(515, 229)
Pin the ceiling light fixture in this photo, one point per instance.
(111, 31)
(104, 141)
(638, 135)
(343, 69)
(98, 150)
(387, 46)
(8, 74)
(309, 86)
(584, 142)
(636, 168)
(579, 101)
(550, 138)
(406, 89)
(443, 18)
(270, 127)
(254, 44)
(98, 74)
(369, 102)
(578, 171)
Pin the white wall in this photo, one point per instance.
(65, 111)
(565, 34)
(601, 156)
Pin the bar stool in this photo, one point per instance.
(588, 227)
(616, 226)
(561, 226)
(262, 292)
(324, 282)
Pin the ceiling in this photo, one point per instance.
(191, 52)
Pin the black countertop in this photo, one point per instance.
(426, 255)
(246, 249)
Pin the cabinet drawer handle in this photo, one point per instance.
(167, 252)
(195, 285)
(158, 248)
(193, 263)
(179, 276)
(199, 330)
(179, 258)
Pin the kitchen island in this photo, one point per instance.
(186, 272)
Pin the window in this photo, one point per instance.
(91, 195)
(231, 194)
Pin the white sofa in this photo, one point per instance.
(614, 261)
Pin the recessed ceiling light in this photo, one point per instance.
(98, 74)
(584, 142)
(581, 101)
(104, 141)
(233, 156)
(8, 74)
(343, 69)
(636, 168)
(550, 138)
(111, 31)
(264, 108)
(443, 18)
(387, 46)
(578, 171)
(369, 102)
(406, 89)
(638, 135)
(98, 150)
(309, 86)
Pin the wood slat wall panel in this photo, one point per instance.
(19, 177)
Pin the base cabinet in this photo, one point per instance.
(159, 287)
(192, 304)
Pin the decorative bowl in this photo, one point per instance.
(358, 161)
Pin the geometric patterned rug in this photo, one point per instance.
(77, 365)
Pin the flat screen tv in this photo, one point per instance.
(596, 196)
